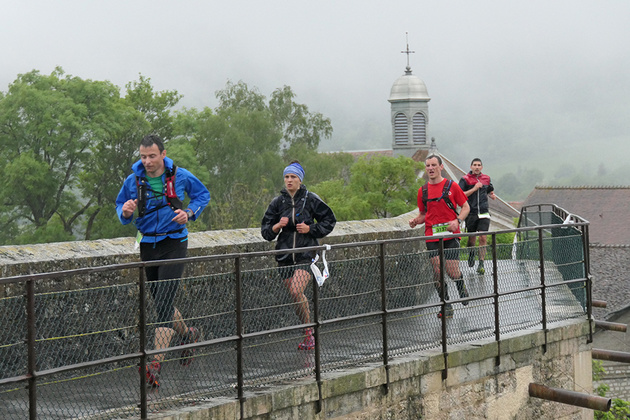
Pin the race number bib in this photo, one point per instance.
(441, 229)
(137, 241)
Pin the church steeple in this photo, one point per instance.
(409, 100)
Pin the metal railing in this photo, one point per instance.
(75, 331)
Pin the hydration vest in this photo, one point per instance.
(445, 190)
(142, 186)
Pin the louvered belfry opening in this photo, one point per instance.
(401, 129)
(419, 129)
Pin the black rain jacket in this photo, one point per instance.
(305, 206)
(478, 200)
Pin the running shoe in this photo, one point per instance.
(309, 340)
(448, 309)
(471, 258)
(153, 374)
(192, 336)
(480, 269)
(463, 291)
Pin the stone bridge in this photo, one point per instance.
(74, 333)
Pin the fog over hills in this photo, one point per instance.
(524, 85)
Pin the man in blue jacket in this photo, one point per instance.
(157, 189)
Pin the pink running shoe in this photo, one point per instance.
(309, 340)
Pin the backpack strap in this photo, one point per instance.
(141, 192)
(170, 193)
(445, 190)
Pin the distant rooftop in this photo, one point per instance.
(358, 153)
(605, 207)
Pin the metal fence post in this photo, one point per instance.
(318, 361)
(384, 315)
(239, 333)
(589, 281)
(443, 301)
(30, 345)
(543, 288)
(142, 317)
(495, 292)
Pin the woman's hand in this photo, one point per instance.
(303, 228)
(282, 223)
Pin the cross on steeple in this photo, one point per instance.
(408, 52)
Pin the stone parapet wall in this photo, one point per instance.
(41, 258)
(475, 387)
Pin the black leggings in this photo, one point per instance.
(163, 292)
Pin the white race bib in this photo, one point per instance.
(320, 277)
(441, 229)
(138, 240)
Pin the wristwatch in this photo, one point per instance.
(459, 221)
(189, 213)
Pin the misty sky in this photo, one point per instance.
(501, 74)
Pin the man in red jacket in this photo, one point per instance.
(478, 188)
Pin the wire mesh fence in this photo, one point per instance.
(87, 350)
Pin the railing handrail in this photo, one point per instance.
(48, 275)
(556, 210)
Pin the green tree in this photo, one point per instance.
(298, 125)
(108, 165)
(240, 96)
(379, 187)
(47, 126)
(244, 144)
(321, 167)
(238, 148)
(346, 204)
(141, 111)
(67, 144)
(156, 106)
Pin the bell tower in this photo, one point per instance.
(409, 100)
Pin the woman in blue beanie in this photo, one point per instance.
(298, 218)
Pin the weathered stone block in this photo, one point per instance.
(431, 383)
(344, 384)
(258, 404)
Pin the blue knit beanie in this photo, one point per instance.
(296, 169)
